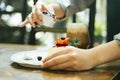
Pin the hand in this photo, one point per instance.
(36, 14)
(69, 58)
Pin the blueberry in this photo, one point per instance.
(62, 38)
(39, 58)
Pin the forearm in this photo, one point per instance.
(105, 53)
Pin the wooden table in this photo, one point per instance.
(13, 71)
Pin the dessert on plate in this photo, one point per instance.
(62, 42)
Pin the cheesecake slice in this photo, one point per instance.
(54, 49)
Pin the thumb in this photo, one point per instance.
(44, 8)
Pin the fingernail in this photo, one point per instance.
(33, 26)
(42, 66)
(20, 25)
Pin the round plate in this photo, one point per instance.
(29, 58)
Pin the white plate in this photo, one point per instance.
(31, 56)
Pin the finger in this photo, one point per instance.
(73, 68)
(34, 17)
(55, 19)
(44, 8)
(24, 23)
(69, 69)
(56, 60)
(57, 53)
(30, 20)
(62, 66)
(38, 13)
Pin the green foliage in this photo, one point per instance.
(74, 42)
(99, 28)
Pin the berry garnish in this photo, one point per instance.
(62, 38)
(61, 41)
(39, 58)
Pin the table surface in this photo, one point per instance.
(13, 71)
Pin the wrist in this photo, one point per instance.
(94, 59)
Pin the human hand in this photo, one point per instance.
(36, 16)
(69, 58)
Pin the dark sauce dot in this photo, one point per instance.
(39, 58)
(62, 38)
